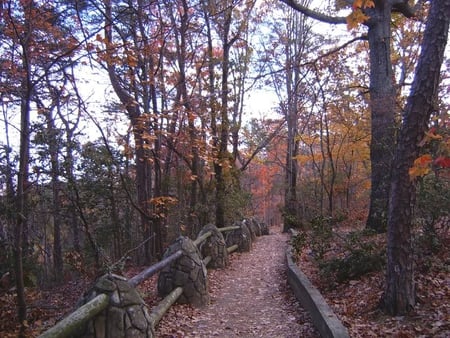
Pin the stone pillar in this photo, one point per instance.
(126, 316)
(241, 237)
(214, 246)
(188, 272)
(254, 231)
(264, 228)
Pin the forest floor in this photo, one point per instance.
(252, 299)
(356, 301)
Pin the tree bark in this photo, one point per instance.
(69, 163)
(382, 101)
(399, 296)
(182, 98)
(296, 30)
(58, 264)
(22, 210)
(223, 155)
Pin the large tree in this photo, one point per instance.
(297, 30)
(221, 25)
(399, 296)
(133, 58)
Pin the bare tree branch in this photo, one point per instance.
(263, 144)
(313, 14)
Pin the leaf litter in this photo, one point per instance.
(251, 298)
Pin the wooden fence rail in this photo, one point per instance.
(69, 325)
(151, 270)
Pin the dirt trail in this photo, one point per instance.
(250, 298)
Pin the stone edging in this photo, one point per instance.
(323, 317)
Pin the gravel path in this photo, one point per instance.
(250, 298)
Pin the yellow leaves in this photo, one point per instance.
(163, 201)
(429, 136)
(357, 16)
(421, 166)
(161, 205)
(303, 159)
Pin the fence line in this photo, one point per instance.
(68, 326)
(151, 270)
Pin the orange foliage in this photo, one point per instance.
(357, 15)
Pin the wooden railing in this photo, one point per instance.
(77, 319)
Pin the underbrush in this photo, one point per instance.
(348, 268)
(339, 256)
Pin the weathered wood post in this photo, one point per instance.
(188, 272)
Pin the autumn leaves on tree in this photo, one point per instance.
(399, 297)
(196, 152)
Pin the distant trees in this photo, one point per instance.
(377, 18)
(178, 70)
(323, 100)
(36, 46)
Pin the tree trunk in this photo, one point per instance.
(70, 126)
(399, 296)
(22, 212)
(296, 32)
(382, 101)
(211, 91)
(20, 234)
(184, 99)
(222, 160)
(141, 122)
(290, 217)
(56, 203)
(71, 182)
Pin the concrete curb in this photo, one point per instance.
(322, 315)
